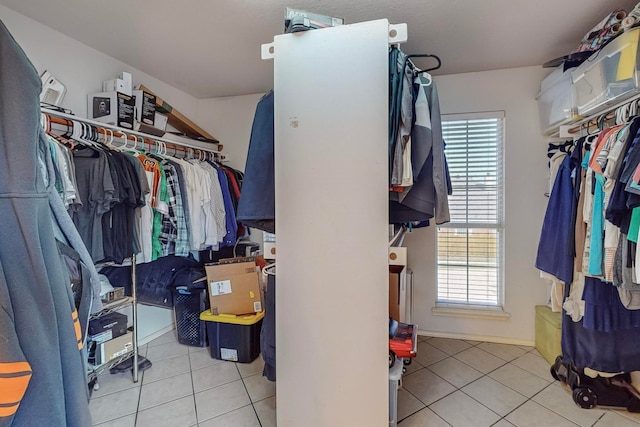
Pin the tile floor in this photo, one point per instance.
(185, 387)
(450, 383)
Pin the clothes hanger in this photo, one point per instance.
(44, 122)
(125, 140)
(269, 270)
(135, 142)
(397, 89)
(110, 141)
(425, 55)
(80, 134)
(64, 138)
(69, 129)
(621, 114)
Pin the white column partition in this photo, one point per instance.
(331, 162)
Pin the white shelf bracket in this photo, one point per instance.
(398, 33)
(268, 51)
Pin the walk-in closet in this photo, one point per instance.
(261, 214)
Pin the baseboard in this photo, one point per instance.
(472, 337)
(157, 334)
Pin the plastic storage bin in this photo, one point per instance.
(555, 101)
(187, 306)
(234, 338)
(609, 76)
(548, 333)
(395, 376)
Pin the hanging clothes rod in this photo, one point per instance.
(71, 117)
(607, 114)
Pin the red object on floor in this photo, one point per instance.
(402, 339)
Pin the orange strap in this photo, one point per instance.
(7, 411)
(14, 380)
(76, 326)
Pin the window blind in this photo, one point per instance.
(470, 246)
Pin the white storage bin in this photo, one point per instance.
(609, 76)
(555, 101)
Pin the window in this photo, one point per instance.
(470, 246)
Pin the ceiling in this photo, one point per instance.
(211, 48)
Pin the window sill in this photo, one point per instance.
(471, 312)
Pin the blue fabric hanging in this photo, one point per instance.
(554, 255)
(611, 351)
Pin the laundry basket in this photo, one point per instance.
(187, 306)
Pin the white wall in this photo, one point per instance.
(512, 91)
(82, 69)
(230, 120)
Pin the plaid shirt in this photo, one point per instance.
(174, 235)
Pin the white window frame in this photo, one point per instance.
(443, 304)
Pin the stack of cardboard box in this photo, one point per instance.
(234, 321)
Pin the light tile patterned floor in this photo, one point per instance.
(474, 384)
(451, 383)
(185, 387)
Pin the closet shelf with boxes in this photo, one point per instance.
(602, 78)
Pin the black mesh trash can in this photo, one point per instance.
(187, 306)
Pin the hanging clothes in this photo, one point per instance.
(611, 351)
(256, 207)
(43, 381)
(149, 205)
(268, 331)
(415, 124)
(554, 256)
(589, 240)
(97, 190)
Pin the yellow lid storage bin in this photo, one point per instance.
(548, 333)
(233, 338)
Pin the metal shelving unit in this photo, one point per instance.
(95, 370)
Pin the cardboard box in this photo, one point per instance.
(113, 108)
(123, 84)
(117, 85)
(109, 350)
(145, 107)
(233, 287)
(395, 292)
(115, 295)
(297, 17)
(160, 121)
(180, 121)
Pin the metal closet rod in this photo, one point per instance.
(608, 114)
(129, 132)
